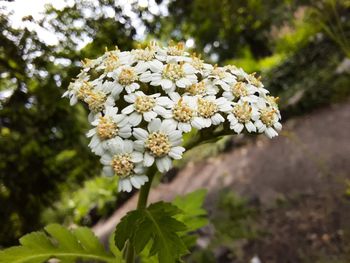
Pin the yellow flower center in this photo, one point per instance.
(144, 103)
(243, 112)
(239, 89)
(176, 50)
(96, 100)
(197, 88)
(158, 144)
(146, 54)
(267, 116)
(84, 90)
(219, 72)
(173, 72)
(272, 101)
(127, 76)
(182, 112)
(196, 62)
(111, 62)
(87, 63)
(207, 108)
(256, 81)
(107, 128)
(231, 67)
(122, 165)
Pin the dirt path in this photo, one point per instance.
(312, 155)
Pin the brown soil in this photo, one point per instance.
(306, 167)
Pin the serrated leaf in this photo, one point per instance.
(166, 242)
(64, 237)
(155, 224)
(193, 215)
(88, 240)
(124, 229)
(36, 240)
(145, 257)
(142, 238)
(59, 243)
(112, 247)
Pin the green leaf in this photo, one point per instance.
(156, 225)
(166, 242)
(126, 228)
(113, 248)
(88, 240)
(193, 215)
(58, 243)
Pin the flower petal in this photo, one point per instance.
(176, 152)
(140, 134)
(108, 171)
(154, 125)
(148, 159)
(163, 164)
(150, 115)
(136, 157)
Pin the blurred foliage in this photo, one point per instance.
(227, 28)
(233, 219)
(96, 198)
(274, 231)
(58, 243)
(319, 82)
(37, 150)
(42, 138)
(331, 15)
(297, 45)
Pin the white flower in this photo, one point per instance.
(182, 111)
(88, 64)
(238, 72)
(161, 143)
(179, 92)
(124, 162)
(78, 89)
(170, 76)
(113, 88)
(173, 53)
(209, 110)
(238, 90)
(268, 122)
(107, 129)
(144, 58)
(109, 62)
(269, 101)
(202, 88)
(143, 106)
(242, 115)
(126, 78)
(97, 100)
(203, 68)
(251, 79)
(221, 77)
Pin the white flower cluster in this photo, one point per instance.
(142, 102)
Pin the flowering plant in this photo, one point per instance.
(141, 104)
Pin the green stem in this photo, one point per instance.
(144, 191)
(206, 136)
(141, 204)
(130, 253)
